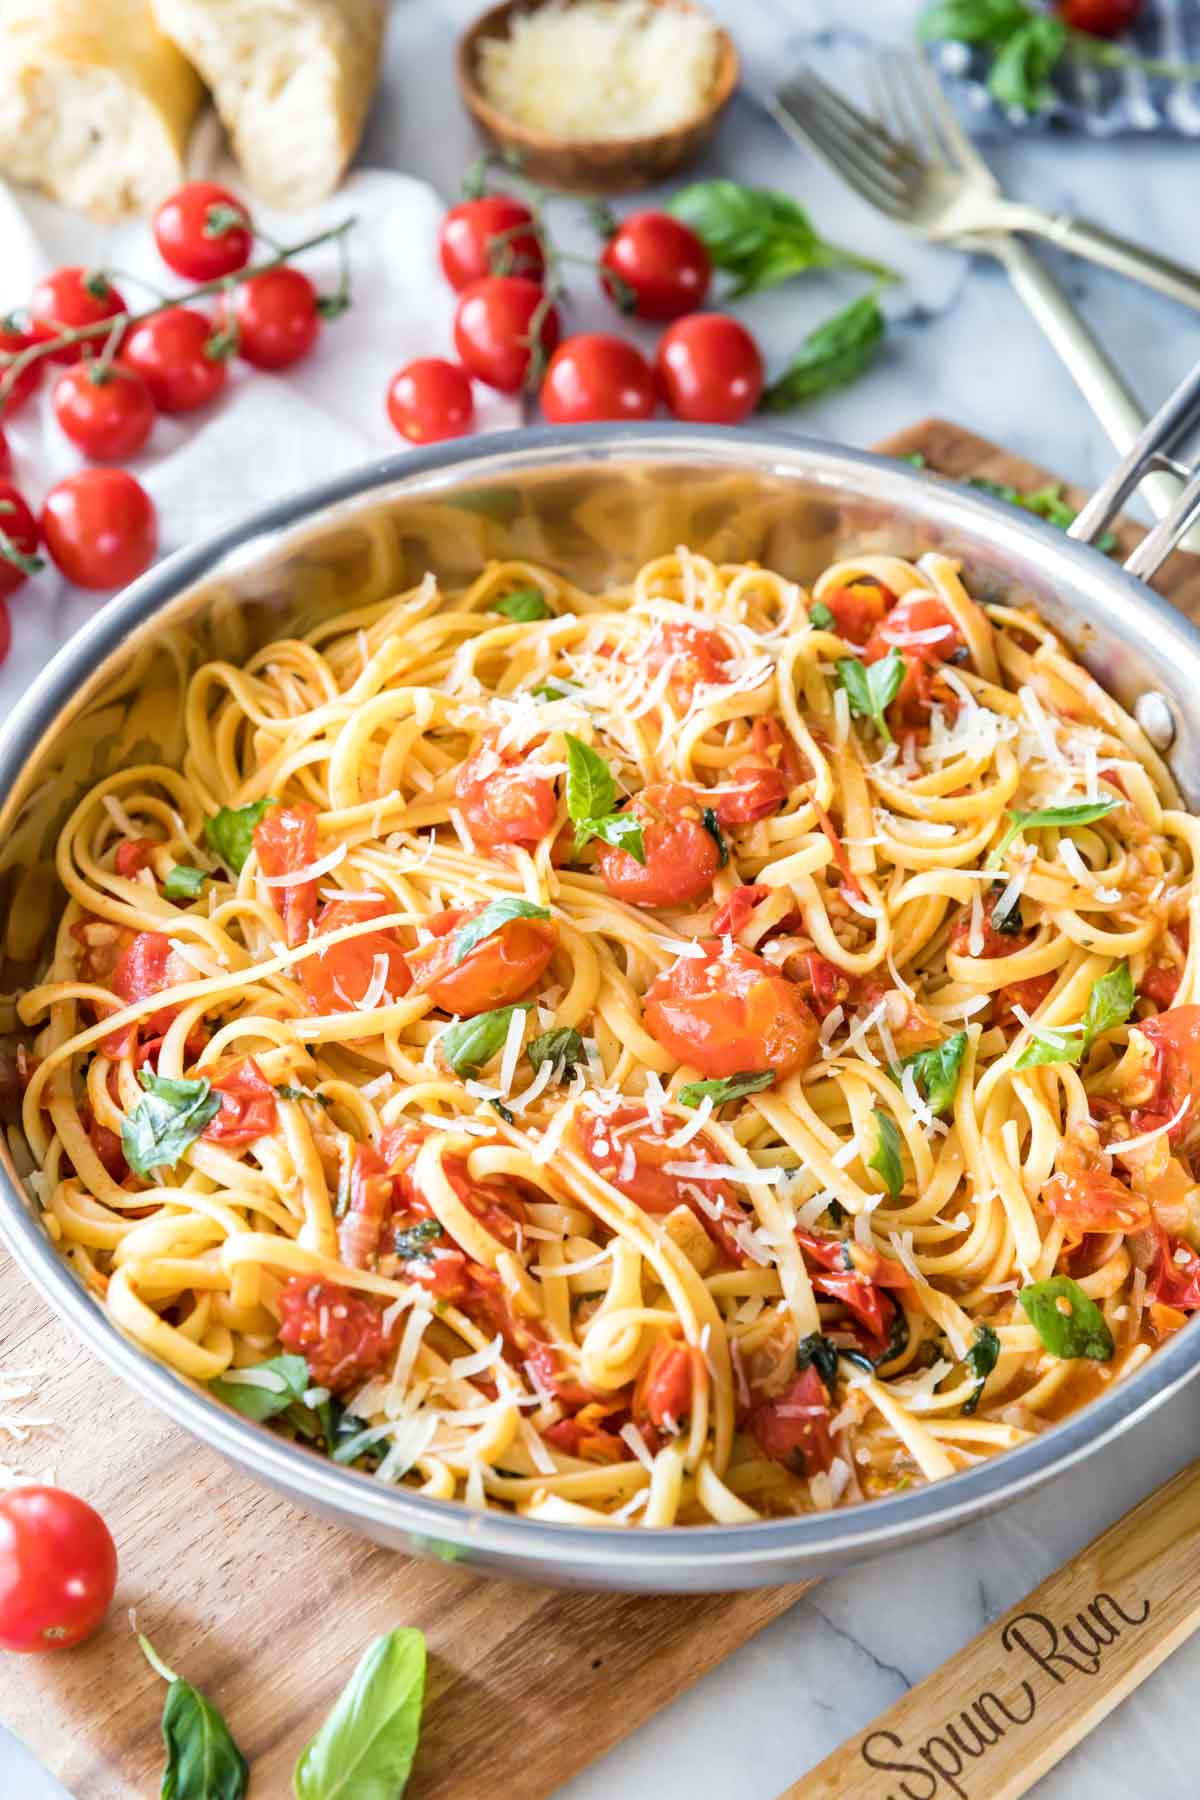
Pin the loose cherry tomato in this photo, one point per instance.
(498, 320)
(58, 1569)
(275, 316)
(662, 1394)
(496, 972)
(624, 1147)
(710, 368)
(660, 262)
(68, 300)
(107, 412)
(474, 241)
(793, 1427)
(337, 979)
(286, 841)
(430, 400)
(248, 1110)
(12, 343)
(858, 608)
(1090, 1200)
(926, 634)
(100, 527)
(1099, 18)
(18, 542)
(728, 1011)
(593, 376)
(681, 853)
(171, 352)
(502, 800)
(203, 231)
(339, 1334)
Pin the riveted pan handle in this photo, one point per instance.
(1153, 452)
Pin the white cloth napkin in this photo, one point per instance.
(268, 435)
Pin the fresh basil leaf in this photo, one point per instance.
(365, 1748)
(832, 356)
(184, 883)
(469, 1046)
(759, 236)
(1022, 67)
(1051, 1044)
(1084, 812)
(981, 1359)
(1008, 923)
(557, 688)
(253, 1402)
(203, 1762)
(353, 1441)
(973, 21)
(713, 828)
(935, 1071)
(871, 687)
(562, 1044)
(591, 790)
(1067, 1320)
(820, 616)
(229, 833)
(823, 1355)
(886, 1160)
(163, 1125)
(493, 917)
(287, 1092)
(524, 605)
(731, 1087)
(1109, 1003)
(898, 1338)
(622, 830)
(505, 1112)
(412, 1243)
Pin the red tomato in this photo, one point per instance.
(502, 800)
(18, 543)
(5, 456)
(275, 316)
(662, 1395)
(170, 351)
(108, 413)
(133, 855)
(1176, 1277)
(203, 231)
(429, 400)
(339, 1334)
(830, 985)
(729, 1011)
(248, 1111)
(698, 657)
(498, 319)
(109, 1150)
(760, 785)
(361, 1226)
(1090, 1200)
(146, 966)
(659, 262)
(858, 608)
(995, 942)
(70, 300)
(100, 527)
(856, 1283)
(1099, 18)
(735, 914)
(1175, 1037)
(337, 979)
(474, 241)
(58, 1569)
(1028, 995)
(1160, 983)
(594, 376)
(606, 1139)
(286, 840)
(12, 343)
(583, 1436)
(710, 368)
(496, 972)
(681, 853)
(917, 619)
(793, 1428)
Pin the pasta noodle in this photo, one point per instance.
(683, 1054)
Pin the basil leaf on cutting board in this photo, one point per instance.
(203, 1762)
(365, 1748)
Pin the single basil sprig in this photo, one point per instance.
(935, 1071)
(287, 1092)
(820, 616)
(1109, 1004)
(836, 353)
(184, 883)
(886, 1159)
(203, 1762)
(524, 605)
(499, 913)
(981, 1359)
(412, 1243)
(731, 1087)
(591, 799)
(562, 1044)
(290, 1380)
(1083, 812)
(365, 1748)
(760, 237)
(822, 1353)
(871, 687)
(469, 1046)
(229, 833)
(1067, 1320)
(163, 1125)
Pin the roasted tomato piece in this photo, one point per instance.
(858, 607)
(133, 855)
(1028, 995)
(996, 940)
(925, 632)
(1091, 1200)
(793, 1428)
(830, 986)
(339, 978)
(497, 971)
(624, 1148)
(339, 1334)
(248, 1111)
(585, 1435)
(1174, 1037)
(697, 657)
(145, 966)
(728, 1011)
(856, 1275)
(682, 857)
(286, 841)
(734, 914)
(503, 800)
(108, 1148)
(1175, 1281)
(762, 783)
(662, 1395)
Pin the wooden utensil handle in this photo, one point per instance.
(992, 1720)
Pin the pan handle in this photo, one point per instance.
(1153, 452)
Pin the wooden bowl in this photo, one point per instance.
(606, 165)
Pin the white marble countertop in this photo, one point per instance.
(961, 347)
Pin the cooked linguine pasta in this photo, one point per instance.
(696, 1052)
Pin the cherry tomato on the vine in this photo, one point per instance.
(276, 317)
(430, 399)
(107, 412)
(659, 263)
(12, 343)
(203, 231)
(18, 542)
(100, 527)
(58, 1569)
(1099, 18)
(475, 241)
(68, 300)
(176, 356)
(711, 369)
(497, 321)
(594, 376)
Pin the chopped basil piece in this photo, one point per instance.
(524, 605)
(229, 833)
(562, 1044)
(469, 1046)
(412, 1243)
(1086, 812)
(505, 1112)
(163, 1125)
(1008, 923)
(887, 1160)
(981, 1359)
(713, 829)
(365, 1748)
(184, 883)
(731, 1087)
(287, 1092)
(871, 687)
(1067, 1320)
(820, 616)
(1109, 1004)
(254, 1402)
(935, 1071)
(490, 920)
(203, 1762)
(591, 798)
(823, 1355)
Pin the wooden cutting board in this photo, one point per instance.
(268, 1608)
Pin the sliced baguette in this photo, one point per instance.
(96, 104)
(291, 79)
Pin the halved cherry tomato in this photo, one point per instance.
(497, 971)
(497, 320)
(100, 527)
(108, 413)
(286, 840)
(248, 1111)
(275, 316)
(856, 1276)
(133, 855)
(1176, 1278)
(858, 608)
(173, 352)
(58, 1569)
(658, 262)
(681, 853)
(146, 966)
(698, 657)
(1175, 1037)
(793, 1428)
(710, 368)
(1027, 994)
(12, 344)
(503, 801)
(68, 300)
(925, 632)
(337, 979)
(430, 399)
(729, 1011)
(18, 539)
(831, 986)
(339, 1334)
(662, 1395)
(594, 376)
(203, 231)
(491, 235)
(732, 917)
(624, 1148)
(1090, 1200)
(762, 783)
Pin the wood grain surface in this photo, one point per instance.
(268, 1608)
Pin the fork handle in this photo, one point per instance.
(1083, 238)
